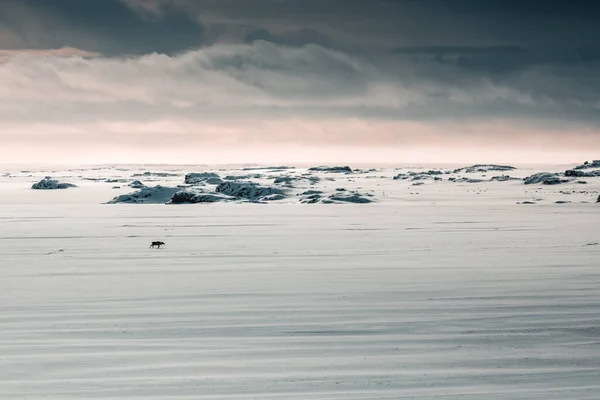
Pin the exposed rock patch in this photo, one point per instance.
(243, 177)
(417, 176)
(189, 197)
(544, 178)
(484, 168)
(290, 180)
(247, 190)
(586, 165)
(581, 174)
(336, 169)
(147, 195)
(51, 184)
(137, 185)
(196, 178)
(502, 178)
(353, 198)
(154, 174)
(463, 179)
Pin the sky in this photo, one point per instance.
(275, 81)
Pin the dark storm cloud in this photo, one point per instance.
(187, 63)
(106, 26)
(399, 23)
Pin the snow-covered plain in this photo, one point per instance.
(444, 290)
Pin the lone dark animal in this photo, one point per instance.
(157, 244)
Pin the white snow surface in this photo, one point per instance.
(440, 291)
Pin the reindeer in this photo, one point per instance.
(157, 244)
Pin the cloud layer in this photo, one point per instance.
(263, 73)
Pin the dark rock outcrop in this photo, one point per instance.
(196, 178)
(544, 178)
(247, 190)
(354, 198)
(484, 168)
(581, 174)
(51, 184)
(189, 197)
(155, 174)
(501, 178)
(137, 185)
(337, 169)
(586, 165)
(147, 195)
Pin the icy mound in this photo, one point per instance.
(345, 169)
(502, 178)
(290, 180)
(243, 177)
(311, 193)
(196, 178)
(147, 195)
(51, 184)
(585, 165)
(545, 178)
(464, 179)
(353, 198)
(247, 190)
(579, 173)
(311, 196)
(484, 168)
(137, 185)
(155, 174)
(341, 196)
(417, 176)
(190, 197)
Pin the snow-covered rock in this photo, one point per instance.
(484, 168)
(51, 184)
(586, 165)
(195, 178)
(502, 178)
(337, 169)
(579, 173)
(353, 198)
(464, 179)
(155, 174)
(243, 177)
(190, 197)
(418, 176)
(137, 185)
(247, 190)
(289, 180)
(147, 195)
(544, 178)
